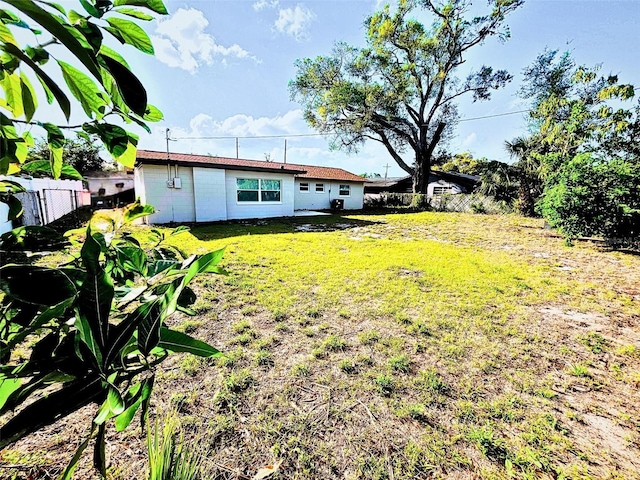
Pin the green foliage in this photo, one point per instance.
(401, 89)
(96, 332)
(99, 79)
(594, 197)
(582, 159)
(169, 458)
(81, 154)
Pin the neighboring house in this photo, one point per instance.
(201, 188)
(439, 183)
(44, 201)
(110, 189)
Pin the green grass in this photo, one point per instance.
(447, 345)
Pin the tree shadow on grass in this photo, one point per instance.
(270, 226)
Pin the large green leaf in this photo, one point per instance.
(132, 12)
(29, 99)
(7, 387)
(132, 34)
(39, 321)
(18, 396)
(9, 186)
(132, 90)
(153, 5)
(181, 342)
(32, 238)
(121, 334)
(96, 293)
(114, 138)
(111, 53)
(51, 88)
(132, 259)
(68, 472)
(83, 89)
(43, 168)
(56, 27)
(13, 93)
(20, 282)
(112, 406)
(137, 210)
(85, 334)
(48, 409)
(141, 395)
(15, 206)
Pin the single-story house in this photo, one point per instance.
(110, 188)
(201, 188)
(439, 183)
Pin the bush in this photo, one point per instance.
(94, 331)
(589, 196)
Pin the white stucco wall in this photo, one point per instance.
(171, 204)
(210, 194)
(240, 210)
(312, 200)
(455, 188)
(109, 184)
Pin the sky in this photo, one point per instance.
(221, 69)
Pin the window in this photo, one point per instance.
(345, 190)
(441, 190)
(258, 190)
(319, 187)
(304, 187)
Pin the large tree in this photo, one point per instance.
(83, 154)
(584, 149)
(401, 89)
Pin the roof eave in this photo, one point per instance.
(245, 168)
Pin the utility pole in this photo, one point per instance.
(237, 147)
(285, 150)
(386, 170)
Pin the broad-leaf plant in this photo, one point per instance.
(90, 330)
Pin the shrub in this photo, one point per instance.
(99, 329)
(591, 196)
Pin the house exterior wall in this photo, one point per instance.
(313, 200)
(240, 210)
(171, 204)
(455, 188)
(210, 194)
(109, 184)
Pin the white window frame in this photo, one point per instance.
(260, 190)
(340, 190)
(442, 189)
(321, 189)
(307, 185)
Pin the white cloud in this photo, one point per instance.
(294, 21)
(181, 42)
(263, 4)
(470, 139)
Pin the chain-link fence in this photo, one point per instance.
(32, 209)
(49, 205)
(461, 202)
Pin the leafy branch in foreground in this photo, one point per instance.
(101, 80)
(95, 328)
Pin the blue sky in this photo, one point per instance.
(221, 69)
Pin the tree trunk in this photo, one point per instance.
(424, 155)
(421, 176)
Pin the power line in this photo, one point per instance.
(492, 116)
(228, 137)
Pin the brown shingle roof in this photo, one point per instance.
(302, 171)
